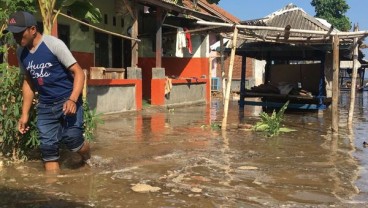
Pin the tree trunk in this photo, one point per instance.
(47, 7)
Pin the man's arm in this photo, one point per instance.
(28, 95)
(70, 105)
(78, 81)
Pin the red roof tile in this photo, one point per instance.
(212, 9)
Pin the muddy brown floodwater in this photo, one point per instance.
(173, 158)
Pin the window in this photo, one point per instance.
(122, 22)
(64, 34)
(106, 19)
(114, 21)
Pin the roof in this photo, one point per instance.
(172, 6)
(218, 11)
(286, 45)
(290, 16)
(202, 10)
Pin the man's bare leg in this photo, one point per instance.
(52, 167)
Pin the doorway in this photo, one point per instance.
(127, 53)
(117, 52)
(101, 49)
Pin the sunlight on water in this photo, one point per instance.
(184, 161)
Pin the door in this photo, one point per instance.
(117, 52)
(101, 49)
(127, 53)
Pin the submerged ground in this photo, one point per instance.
(180, 156)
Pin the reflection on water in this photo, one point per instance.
(198, 166)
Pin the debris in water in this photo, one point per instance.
(365, 144)
(196, 190)
(201, 178)
(144, 188)
(12, 180)
(247, 168)
(175, 190)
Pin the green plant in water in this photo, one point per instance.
(91, 119)
(213, 126)
(271, 125)
(13, 143)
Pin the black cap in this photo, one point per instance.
(19, 21)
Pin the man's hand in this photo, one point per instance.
(69, 107)
(23, 124)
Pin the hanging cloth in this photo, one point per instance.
(180, 43)
(168, 85)
(188, 40)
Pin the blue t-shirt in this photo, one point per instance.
(47, 65)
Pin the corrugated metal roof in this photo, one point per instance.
(290, 15)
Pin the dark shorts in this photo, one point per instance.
(55, 128)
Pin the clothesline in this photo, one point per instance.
(191, 31)
(97, 28)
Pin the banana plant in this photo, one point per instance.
(272, 124)
(82, 9)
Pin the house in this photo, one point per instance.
(216, 64)
(134, 53)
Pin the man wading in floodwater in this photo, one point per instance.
(50, 69)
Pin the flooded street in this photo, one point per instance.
(178, 158)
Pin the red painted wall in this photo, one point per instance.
(85, 60)
(178, 67)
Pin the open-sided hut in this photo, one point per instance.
(298, 65)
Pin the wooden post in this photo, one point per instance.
(222, 68)
(229, 79)
(159, 38)
(353, 81)
(134, 60)
(210, 59)
(242, 82)
(84, 94)
(335, 84)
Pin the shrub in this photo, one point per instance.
(13, 143)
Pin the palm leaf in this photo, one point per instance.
(281, 112)
(83, 10)
(286, 130)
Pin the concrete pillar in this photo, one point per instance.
(158, 73)
(134, 73)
